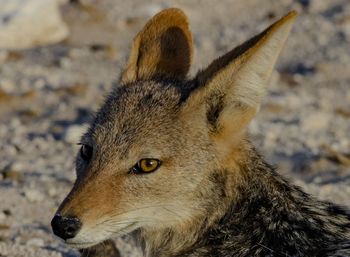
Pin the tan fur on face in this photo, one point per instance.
(82, 201)
(196, 128)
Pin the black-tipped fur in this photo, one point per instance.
(274, 218)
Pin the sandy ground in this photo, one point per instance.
(47, 95)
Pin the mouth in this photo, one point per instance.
(82, 244)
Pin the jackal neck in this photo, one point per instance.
(259, 214)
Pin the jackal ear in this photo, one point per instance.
(163, 47)
(232, 87)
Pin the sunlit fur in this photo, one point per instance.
(213, 194)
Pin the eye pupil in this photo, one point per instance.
(86, 152)
(149, 163)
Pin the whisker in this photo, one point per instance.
(110, 221)
(129, 211)
(173, 212)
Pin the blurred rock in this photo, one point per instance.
(316, 121)
(52, 192)
(317, 6)
(11, 174)
(33, 195)
(35, 242)
(73, 133)
(2, 216)
(3, 56)
(7, 85)
(30, 23)
(76, 89)
(7, 212)
(149, 9)
(17, 250)
(4, 227)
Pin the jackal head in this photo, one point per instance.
(162, 150)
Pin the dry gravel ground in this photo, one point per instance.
(47, 96)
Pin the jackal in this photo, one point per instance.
(167, 159)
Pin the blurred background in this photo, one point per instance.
(58, 60)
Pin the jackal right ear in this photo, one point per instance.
(229, 92)
(162, 47)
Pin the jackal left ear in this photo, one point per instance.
(232, 87)
(163, 47)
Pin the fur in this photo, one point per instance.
(213, 194)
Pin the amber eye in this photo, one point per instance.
(145, 166)
(86, 152)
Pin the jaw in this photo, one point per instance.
(87, 238)
(83, 245)
(81, 241)
(100, 230)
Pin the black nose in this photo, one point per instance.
(65, 227)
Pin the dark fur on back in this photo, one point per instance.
(274, 218)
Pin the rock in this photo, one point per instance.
(316, 121)
(11, 174)
(3, 56)
(4, 227)
(35, 242)
(52, 192)
(7, 212)
(150, 9)
(2, 216)
(65, 63)
(33, 195)
(31, 23)
(73, 133)
(317, 6)
(7, 85)
(346, 27)
(18, 250)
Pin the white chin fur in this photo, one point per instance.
(81, 245)
(90, 237)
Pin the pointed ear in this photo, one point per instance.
(232, 87)
(163, 47)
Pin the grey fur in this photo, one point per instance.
(213, 195)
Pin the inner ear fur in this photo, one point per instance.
(163, 47)
(232, 87)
